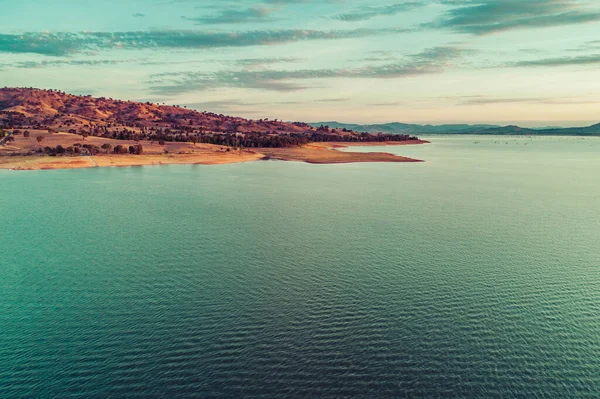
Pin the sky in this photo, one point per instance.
(528, 62)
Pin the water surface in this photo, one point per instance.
(476, 273)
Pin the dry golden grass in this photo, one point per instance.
(24, 144)
(62, 111)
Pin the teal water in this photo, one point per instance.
(474, 274)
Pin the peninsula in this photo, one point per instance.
(49, 129)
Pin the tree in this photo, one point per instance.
(106, 147)
(26, 133)
(91, 148)
(136, 149)
(119, 149)
(39, 139)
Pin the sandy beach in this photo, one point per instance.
(326, 153)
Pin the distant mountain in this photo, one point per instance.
(546, 127)
(405, 128)
(593, 130)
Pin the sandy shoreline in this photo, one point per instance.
(47, 162)
(326, 153)
(316, 153)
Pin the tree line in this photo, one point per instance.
(91, 149)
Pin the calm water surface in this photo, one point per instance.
(476, 273)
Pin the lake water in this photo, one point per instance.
(476, 273)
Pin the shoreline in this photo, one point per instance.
(313, 153)
(327, 153)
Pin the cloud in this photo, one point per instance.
(430, 61)
(53, 63)
(57, 62)
(217, 103)
(263, 62)
(481, 17)
(381, 55)
(235, 16)
(586, 47)
(591, 59)
(232, 106)
(482, 100)
(40, 43)
(291, 1)
(190, 82)
(387, 104)
(371, 12)
(332, 100)
(63, 43)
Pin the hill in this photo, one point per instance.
(57, 111)
(404, 128)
